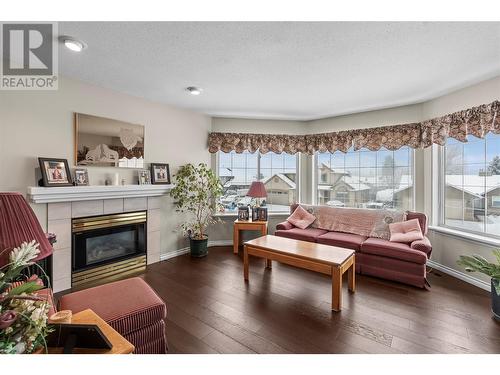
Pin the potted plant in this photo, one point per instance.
(197, 191)
(477, 263)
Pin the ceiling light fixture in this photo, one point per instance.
(73, 44)
(194, 90)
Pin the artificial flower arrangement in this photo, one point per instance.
(23, 314)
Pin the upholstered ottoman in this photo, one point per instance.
(130, 306)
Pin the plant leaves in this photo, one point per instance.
(27, 287)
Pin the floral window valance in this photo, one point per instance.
(477, 121)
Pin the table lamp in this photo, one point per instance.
(257, 190)
(19, 224)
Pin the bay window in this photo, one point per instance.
(278, 172)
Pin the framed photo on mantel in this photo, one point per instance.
(55, 172)
(160, 173)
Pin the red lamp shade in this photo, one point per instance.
(19, 224)
(257, 190)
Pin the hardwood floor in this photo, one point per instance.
(287, 310)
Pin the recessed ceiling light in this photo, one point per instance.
(73, 44)
(194, 90)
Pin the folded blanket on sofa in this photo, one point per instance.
(365, 222)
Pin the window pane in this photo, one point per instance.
(337, 160)
(366, 179)
(493, 210)
(277, 160)
(472, 184)
(251, 175)
(277, 172)
(279, 181)
(290, 161)
(368, 159)
(324, 159)
(252, 160)
(385, 158)
(224, 160)
(402, 157)
(236, 171)
(352, 159)
(265, 160)
(239, 160)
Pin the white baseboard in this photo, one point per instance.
(185, 250)
(173, 254)
(220, 243)
(460, 275)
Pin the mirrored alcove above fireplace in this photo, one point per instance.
(66, 205)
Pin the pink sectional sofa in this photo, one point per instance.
(405, 263)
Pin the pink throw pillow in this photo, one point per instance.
(405, 231)
(301, 218)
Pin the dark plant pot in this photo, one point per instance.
(199, 248)
(495, 302)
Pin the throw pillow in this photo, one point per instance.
(301, 218)
(406, 231)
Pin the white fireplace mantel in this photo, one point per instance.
(85, 193)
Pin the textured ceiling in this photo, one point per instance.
(285, 70)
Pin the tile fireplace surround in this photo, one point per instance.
(66, 203)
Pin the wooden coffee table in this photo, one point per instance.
(330, 260)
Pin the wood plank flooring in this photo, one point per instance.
(287, 310)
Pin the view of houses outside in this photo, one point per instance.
(276, 171)
(366, 179)
(472, 192)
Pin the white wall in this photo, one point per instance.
(36, 124)
(383, 117)
(240, 125)
(482, 93)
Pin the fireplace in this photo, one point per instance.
(107, 247)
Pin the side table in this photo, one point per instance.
(260, 226)
(120, 344)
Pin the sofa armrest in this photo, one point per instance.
(423, 245)
(284, 226)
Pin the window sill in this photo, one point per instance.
(477, 238)
(269, 214)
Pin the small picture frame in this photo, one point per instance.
(254, 213)
(144, 177)
(261, 214)
(160, 173)
(55, 172)
(81, 177)
(243, 214)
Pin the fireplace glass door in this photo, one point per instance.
(102, 246)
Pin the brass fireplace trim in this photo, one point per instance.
(106, 221)
(109, 272)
